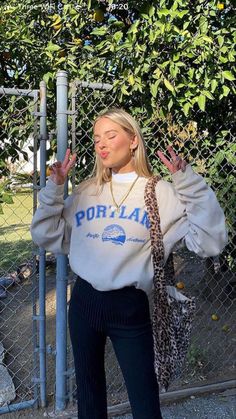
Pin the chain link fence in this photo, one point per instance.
(209, 145)
(18, 265)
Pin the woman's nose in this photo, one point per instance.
(102, 143)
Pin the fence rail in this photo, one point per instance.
(18, 92)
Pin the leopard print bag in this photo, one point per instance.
(172, 311)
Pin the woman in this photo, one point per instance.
(104, 228)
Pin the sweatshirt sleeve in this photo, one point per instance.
(52, 222)
(190, 213)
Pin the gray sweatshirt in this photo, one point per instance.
(111, 250)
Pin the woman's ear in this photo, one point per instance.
(134, 142)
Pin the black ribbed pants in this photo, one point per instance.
(123, 315)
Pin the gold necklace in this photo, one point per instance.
(117, 206)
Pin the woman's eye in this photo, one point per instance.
(110, 138)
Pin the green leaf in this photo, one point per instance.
(151, 11)
(72, 64)
(223, 60)
(117, 24)
(118, 36)
(180, 64)
(191, 73)
(206, 82)
(99, 31)
(186, 108)
(203, 25)
(126, 45)
(61, 60)
(102, 45)
(7, 198)
(224, 49)
(49, 55)
(153, 88)
(176, 56)
(170, 104)
(214, 84)
(9, 10)
(164, 12)
(201, 102)
(185, 25)
(164, 64)
(28, 41)
(73, 12)
(207, 39)
(208, 94)
(173, 70)
(144, 16)
(231, 56)
(52, 47)
(124, 90)
(169, 85)
(57, 21)
(88, 48)
(220, 40)
(226, 90)
(47, 76)
(182, 13)
(134, 27)
(157, 73)
(228, 75)
(152, 36)
(131, 79)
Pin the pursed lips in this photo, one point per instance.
(104, 154)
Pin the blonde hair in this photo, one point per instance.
(129, 124)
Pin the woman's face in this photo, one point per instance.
(114, 145)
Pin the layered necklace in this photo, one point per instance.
(116, 206)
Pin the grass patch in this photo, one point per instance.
(16, 245)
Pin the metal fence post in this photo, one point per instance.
(42, 253)
(61, 278)
(34, 264)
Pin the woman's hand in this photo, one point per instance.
(59, 170)
(175, 163)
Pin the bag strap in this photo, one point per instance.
(159, 296)
(154, 219)
(155, 231)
